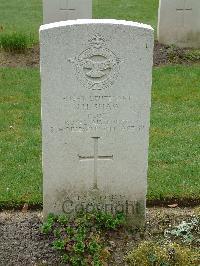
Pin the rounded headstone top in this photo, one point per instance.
(95, 21)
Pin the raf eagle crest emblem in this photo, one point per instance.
(97, 67)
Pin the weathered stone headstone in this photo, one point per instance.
(61, 10)
(95, 116)
(179, 23)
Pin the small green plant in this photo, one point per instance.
(178, 55)
(15, 42)
(192, 55)
(63, 219)
(154, 254)
(59, 244)
(48, 225)
(107, 221)
(80, 240)
(94, 247)
(174, 53)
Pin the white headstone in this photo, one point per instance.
(61, 10)
(96, 94)
(179, 23)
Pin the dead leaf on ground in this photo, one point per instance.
(173, 205)
(25, 208)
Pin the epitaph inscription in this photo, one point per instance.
(97, 67)
(96, 114)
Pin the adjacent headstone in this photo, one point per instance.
(96, 94)
(179, 23)
(61, 10)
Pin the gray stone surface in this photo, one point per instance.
(96, 94)
(179, 23)
(61, 10)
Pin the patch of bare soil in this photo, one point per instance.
(30, 58)
(163, 55)
(166, 55)
(22, 243)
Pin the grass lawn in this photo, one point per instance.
(173, 156)
(26, 15)
(144, 11)
(20, 138)
(21, 15)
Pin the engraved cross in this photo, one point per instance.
(183, 12)
(96, 158)
(67, 5)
